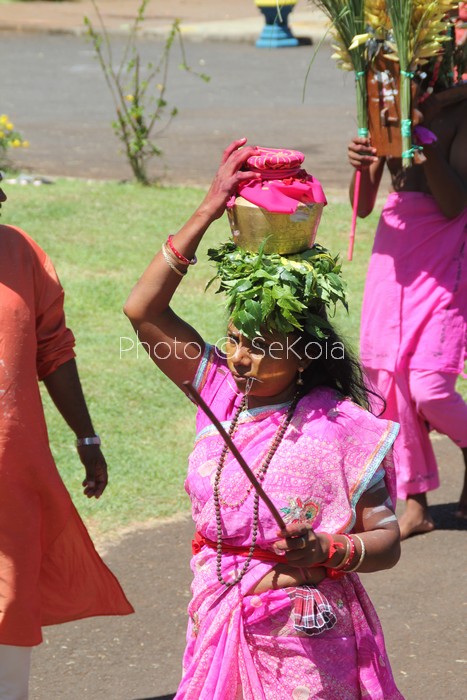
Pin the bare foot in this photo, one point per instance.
(409, 526)
(416, 519)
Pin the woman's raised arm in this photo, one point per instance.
(172, 343)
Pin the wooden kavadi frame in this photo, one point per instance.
(384, 112)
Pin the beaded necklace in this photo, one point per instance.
(261, 473)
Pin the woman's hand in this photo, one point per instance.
(361, 153)
(228, 177)
(304, 551)
(302, 546)
(362, 156)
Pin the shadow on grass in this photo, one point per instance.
(444, 518)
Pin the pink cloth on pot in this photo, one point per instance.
(283, 185)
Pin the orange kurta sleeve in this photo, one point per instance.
(54, 340)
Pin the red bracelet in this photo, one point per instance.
(345, 564)
(333, 548)
(181, 257)
(351, 566)
(348, 554)
(336, 573)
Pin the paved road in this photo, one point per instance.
(53, 89)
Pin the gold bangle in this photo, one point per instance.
(361, 557)
(169, 262)
(346, 556)
(169, 255)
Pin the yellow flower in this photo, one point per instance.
(25, 144)
(358, 40)
(16, 143)
(3, 119)
(341, 56)
(377, 17)
(2, 135)
(9, 126)
(130, 98)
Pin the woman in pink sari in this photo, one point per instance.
(276, 615)
(414, 314)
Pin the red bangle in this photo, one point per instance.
(181, 257)
(345, 565)
(333, 548)
(349, 564)
(348, 556)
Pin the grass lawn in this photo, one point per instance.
(101, 236)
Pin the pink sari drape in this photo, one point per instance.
(414, 312)
(246, 646)
(414, 317)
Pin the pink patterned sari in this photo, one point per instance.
(246, 647)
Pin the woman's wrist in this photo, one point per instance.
(352, 558)
(334, 547)
(359, 555)
(208, 212)
(344, 553)
(430, 150)
(186, 241)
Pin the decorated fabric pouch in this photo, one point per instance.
(312, 612)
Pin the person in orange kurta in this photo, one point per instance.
(49, 570)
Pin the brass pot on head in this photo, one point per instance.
(285, 233)
(285, 186)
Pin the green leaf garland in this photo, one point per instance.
(277, 292)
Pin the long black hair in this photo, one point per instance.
(335, 365)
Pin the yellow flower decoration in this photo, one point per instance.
(377, 17)
(427, 29)
(341, 55)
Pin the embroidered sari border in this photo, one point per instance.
(248, 416)
(372, 463)
(204, 367)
